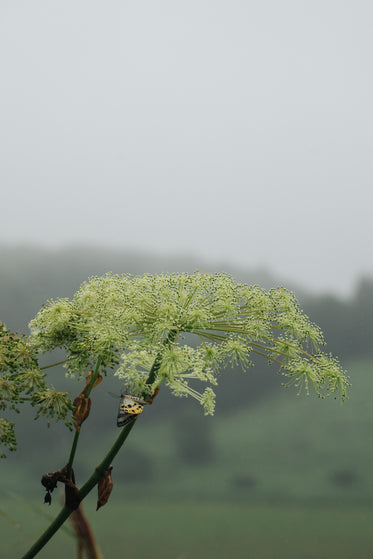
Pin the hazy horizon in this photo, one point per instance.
(171, 262)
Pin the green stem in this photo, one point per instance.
(87, 487)
(102, 467)
(77, 433)
(72, 454)
(54, 364)
(158, 360)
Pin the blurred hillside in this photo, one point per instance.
(30, 275)
(262, 441)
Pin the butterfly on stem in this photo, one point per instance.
(129, 408)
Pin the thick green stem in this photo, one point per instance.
(87, 487)
(101, 468)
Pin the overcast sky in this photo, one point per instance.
(241, 131)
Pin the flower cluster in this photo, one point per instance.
(131, 323)
(21, 380)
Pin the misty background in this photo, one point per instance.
(237, 132)
(221, 136)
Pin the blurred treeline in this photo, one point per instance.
(30, 276)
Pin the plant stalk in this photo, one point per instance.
(77, 433)
(102, 467)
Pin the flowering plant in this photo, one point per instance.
(138, 328)
(124, 321)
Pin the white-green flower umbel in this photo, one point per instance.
(136, 326)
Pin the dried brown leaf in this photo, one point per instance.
(104, 488)
(82, 407)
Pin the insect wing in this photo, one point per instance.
(129, 408)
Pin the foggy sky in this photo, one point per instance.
(240, 131)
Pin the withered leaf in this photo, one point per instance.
(104, 488)
(82, 406)
(88, 381)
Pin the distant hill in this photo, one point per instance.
(31, 275)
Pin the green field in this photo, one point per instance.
(288, 449)
(288, 478)
(204, 531)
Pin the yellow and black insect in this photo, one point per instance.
(129, 408)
